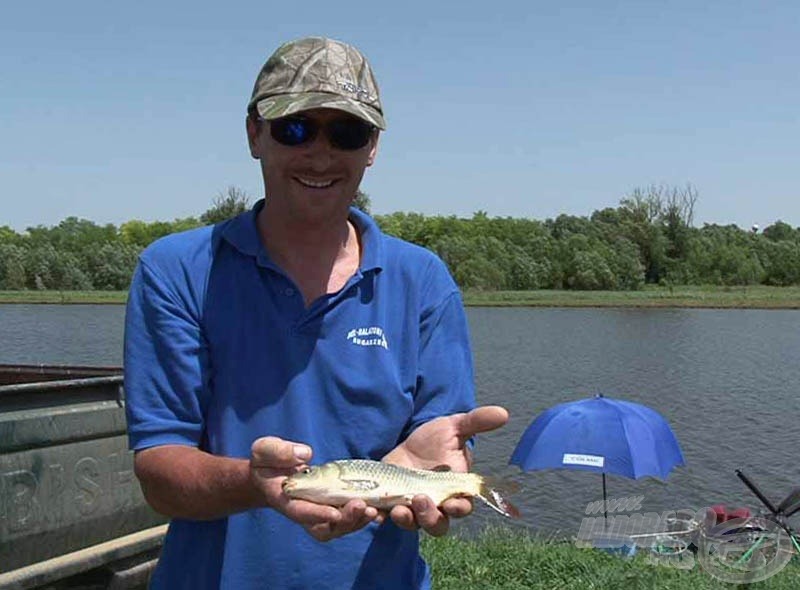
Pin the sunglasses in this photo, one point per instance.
(343, 133)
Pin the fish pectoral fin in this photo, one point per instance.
(362, 484)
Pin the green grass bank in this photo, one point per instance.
(66, 297)
(752, 297)
(502, 559)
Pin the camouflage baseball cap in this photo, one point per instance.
(313, 73)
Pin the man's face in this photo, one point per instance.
(312, 182)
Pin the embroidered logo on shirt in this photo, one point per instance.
(372, 336)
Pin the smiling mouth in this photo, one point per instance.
(314, 183)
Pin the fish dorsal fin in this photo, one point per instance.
(362, 484)
(442, 468)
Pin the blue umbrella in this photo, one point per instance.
(603, 435)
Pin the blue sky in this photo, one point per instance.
(115, 111)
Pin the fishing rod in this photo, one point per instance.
(780, 513)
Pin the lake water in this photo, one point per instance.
(726, 380)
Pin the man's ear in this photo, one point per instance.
(373, 150)
(253, 127)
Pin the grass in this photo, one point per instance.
(510, 560)
(93, 297)
(752, 297)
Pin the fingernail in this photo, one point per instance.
(301, 453)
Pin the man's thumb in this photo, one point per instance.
(271, 451)
(482, 419)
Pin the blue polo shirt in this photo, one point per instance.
(220, 350)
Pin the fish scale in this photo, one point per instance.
(384, 485)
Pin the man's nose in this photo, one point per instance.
(320, 151)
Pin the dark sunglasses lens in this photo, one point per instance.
(349, 134)
(291, 130)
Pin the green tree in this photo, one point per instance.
(12, 267)
(111, 266)
(226, 205)
(72, 234)
(589, 270)
(780, 231)
(362, 201)
(676, 218)
(720, 255)
(584, 264)
(564, 226)
(141, 234)
(781, 262)
(135, 233)
(477, 262)
(185, 223)
(49, 268)
(412, 227)
(652, 246)
(9, 236)
(626, 265)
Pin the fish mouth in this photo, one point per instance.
(288, 484)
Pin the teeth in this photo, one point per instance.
(315, 183)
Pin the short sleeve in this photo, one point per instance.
(445, 380)
(165, 362)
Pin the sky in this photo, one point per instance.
(114, 111)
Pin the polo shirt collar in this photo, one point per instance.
(242, 233)
(372, 254)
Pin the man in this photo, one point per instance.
(293, 329)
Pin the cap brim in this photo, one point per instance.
(274, 107)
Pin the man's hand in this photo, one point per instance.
(441, 442)
(272, 460)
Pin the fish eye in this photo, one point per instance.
(306, 471)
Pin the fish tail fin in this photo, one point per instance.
(492, 492)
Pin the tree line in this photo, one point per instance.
(649, 238)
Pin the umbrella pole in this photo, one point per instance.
(605, 501)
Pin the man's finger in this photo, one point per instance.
(321, 532)
(481, 419)
(355, 515)
(457, 507)
(271, 451)
(309, 514)
(429, 517)
(403, 517)
(352, 513)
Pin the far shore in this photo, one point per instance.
(750, 297)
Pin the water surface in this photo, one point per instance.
(726, 380)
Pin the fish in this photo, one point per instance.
(385, 485)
